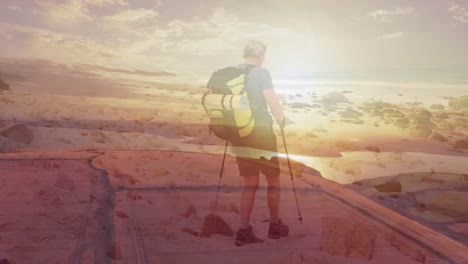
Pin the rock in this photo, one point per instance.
(437, 107)
(394, 187)
(426, 122)
(191, 210)
(100, 137)
(373, 148)
(350, 112)
(461, 144)
(121, 214)
(4, 86)
(115, 252)
(356, 121)
(392, 114)
(425, 114)
(19, 133)
(311, 135)
(215, 225)
(335, 97)
(450, 203)
(437, 136)
(190, 231)
(459, 103)
(441, 116)
(458, 227)
(320, 130)
(445, 125)
(419, 130)
(145, 117)
(346, 145)
(377, 105)
(402, 122)
(377, 113)
(461, 122)
(299, 105)
(458, 134)
(416, 164)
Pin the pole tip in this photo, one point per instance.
(300, 219)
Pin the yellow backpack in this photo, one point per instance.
(227, 121)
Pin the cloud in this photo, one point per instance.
(458, 12)
(105, 2)
(71, 12)
(14, 7)
(218, 33)
(135, 15)
(97, 68)
(25, 41)
(64, 13)
(391, 36)
(388, 15)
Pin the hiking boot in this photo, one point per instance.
(246, 236)
(278, 230)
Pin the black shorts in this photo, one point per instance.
(262, 138)
(253, 167)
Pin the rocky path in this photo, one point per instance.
(149, 206)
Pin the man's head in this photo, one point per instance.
(254, 52)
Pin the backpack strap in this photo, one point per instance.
(203, 101)
(247, 70)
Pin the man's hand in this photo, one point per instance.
(285, 121)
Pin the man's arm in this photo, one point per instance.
(274, 103)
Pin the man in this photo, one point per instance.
(261, 94)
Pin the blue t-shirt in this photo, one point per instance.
(257, 80)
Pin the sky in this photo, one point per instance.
(185, 41)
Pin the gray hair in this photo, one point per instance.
(254, 49)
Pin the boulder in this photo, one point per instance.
(441, 116)
(4, 86)
(437, 107)
(18, 133)
(335, 97)
(459, 103)
(390, 187)
(311, 135)
(402, 122)
(423, 121)
(299, 105)
(437, 136)
(215, 225)
(373, 149)
(424, 115)
(392, 114)
(351, 111)
(419, 130)
(450, 203)
(462, 123)
(461, 144)
(354, 120)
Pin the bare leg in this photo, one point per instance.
(273, 197)
(248, 199)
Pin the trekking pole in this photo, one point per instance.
(290, 172)
(220, 176)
